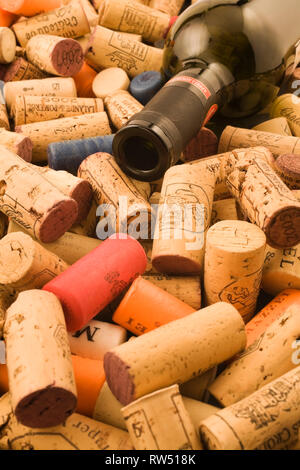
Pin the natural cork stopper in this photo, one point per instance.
(276, 126)
(203, 145)
(7, 45)
(121, 106)
(288, 168)
(165, 422)
(171, 7)
(281, 270)
(17, 143)
(195, 343)
(234, 257)
(109, 81)
(225, 209)
(288, 106)
(41, 396)
(21, 69)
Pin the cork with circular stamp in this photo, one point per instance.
(265, 199)
(55, 55)
(288, 168)
(266, 420)
(27, 198)
(69, 21)
(234, 257)
(183, 218)
(25, 264)
(163, 421)
(121, 106)
(288, 106)
(41, 396)
(134, 17)
(195, 343)
(107, 48)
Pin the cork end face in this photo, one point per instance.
(118, 378)
(58, 220)
(173, 264)
(67, 58)
(83, 195)
(24, 149)
(45, 408)
(283, 228)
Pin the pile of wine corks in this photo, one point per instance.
(139, 315)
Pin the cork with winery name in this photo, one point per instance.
(107, 48)
(288, 106)
(121, 106)
(281, 270)
(27, 198)
(69, 21)
(20, 69)
(41, 396)
(163, 420)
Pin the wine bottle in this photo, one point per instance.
(220, 55)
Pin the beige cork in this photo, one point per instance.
(281, 270)
(267, 420)
(195, 343)
(68, 21)
(159, 421)
(197, 388)
(28, 199)
(7, 45)
(154, 198)
(132, 36)
(132, 213)
(234, 137)
(57, 130)
(30, 109)
(76, 188)
(46, 87)
(171, 7)
(225, 209)
(183, 218)
(21, 69)
(109, 81)
(288, 106)
(185, 288)
(121, 106)
(288, 168)
(143, 187)
(265, 199)
(77, 433)
(198, 411)
(91, 14)
(55, 55)
(17, 143)
(4, 121)
(108, 48)
(278, 125)
(96, 338)
(134, 17)
(41, 395)
(234, 257)
(6, 299)
(265, 360)
(25, 264)
(87, 227)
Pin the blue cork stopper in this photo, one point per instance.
(69, 155)
(144, 86)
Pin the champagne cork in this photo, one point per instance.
(185, 288)
(204, 144)
(265, 360)
(29, 7)
(57, 130)
(25, 264)
(16, 143)
(20, 69)
(109, 81)
(4, 122)
(281, 270)
(264, 420)
(41, 396)
(266, 200)
(195, 343)
(109, 48)
(234, 257)
(288, 168)
(224, 209)
(121, 106)
(178, 246)
(288, 106)
(234, 137)
(77, 433)
(68, 21)
(87, 227)
(6, 18)
(55, 55)
(277, 125)
(145, 85)
(172, 7)
(30, 109)
(76, 188)
(146, 307)
(96, 338)
(109, 182)
(28, 199)
(44, 87)
(134, 17)
(70, 247)
(84, 81)
(90, 284)
(68, 155)
(7, 45)
(197, 388)
(159, 421)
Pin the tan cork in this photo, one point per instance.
(288, 168)
(278, 125)
(87, 227)
(197, 388)
(288, 106)
(21, 69)
(7, 45)
(224, 209)
(281, 270)
(109, 81)
(171, 7)
(121, 106)
(17, 143)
